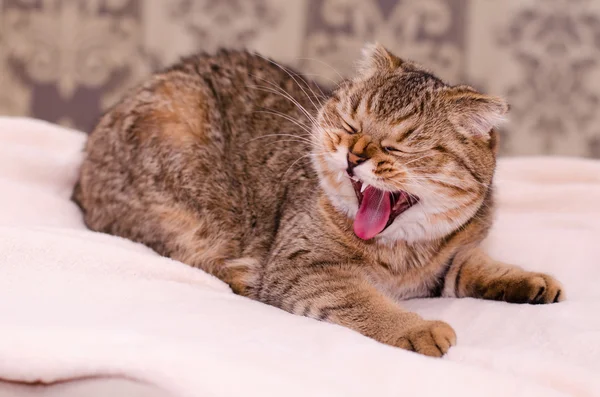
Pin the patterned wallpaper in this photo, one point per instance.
(67, 60)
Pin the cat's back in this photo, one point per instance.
(204, 149)
(231, 101)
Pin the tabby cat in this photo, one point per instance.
(329, 206)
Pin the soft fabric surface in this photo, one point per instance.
(74, 303)
(93, 387)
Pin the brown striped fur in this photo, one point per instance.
(235, 165)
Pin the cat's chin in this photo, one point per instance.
(377, 209)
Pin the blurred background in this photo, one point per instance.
(66, 61)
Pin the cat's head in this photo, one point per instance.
(403, 154)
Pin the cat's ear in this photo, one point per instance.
(474, 114)
(376, 57)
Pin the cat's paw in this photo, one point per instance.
(526, 287)
(431, 338)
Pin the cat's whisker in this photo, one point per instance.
(420, 207)
(287, 140)
(295, 162)
(472, 180)
(325, 114)
(419, 158)
(455, 204)
(296, 81)
(451, 182)
(324, 63)
(411, 182)
(290, 119)
(312, 119)
(320, 75)
(297, 138)
(291, 99)
(277, 89)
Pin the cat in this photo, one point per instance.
(333, 206)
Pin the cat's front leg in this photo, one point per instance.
(474, 274)
(340, 294)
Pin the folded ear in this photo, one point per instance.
(376, 57)
(474, 114)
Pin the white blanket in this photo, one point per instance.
(74, 303)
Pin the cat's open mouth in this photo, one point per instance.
(377, 208)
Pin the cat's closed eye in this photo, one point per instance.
(405, 149)
(391, 149)
(349, 128)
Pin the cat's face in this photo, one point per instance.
(404, 155)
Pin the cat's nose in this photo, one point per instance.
(353, 161)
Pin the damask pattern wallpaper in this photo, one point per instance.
(66, 61)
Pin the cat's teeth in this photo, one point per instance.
(364, 187)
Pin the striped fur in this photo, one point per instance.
(235, 165)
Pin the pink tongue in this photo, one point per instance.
(373, 214)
